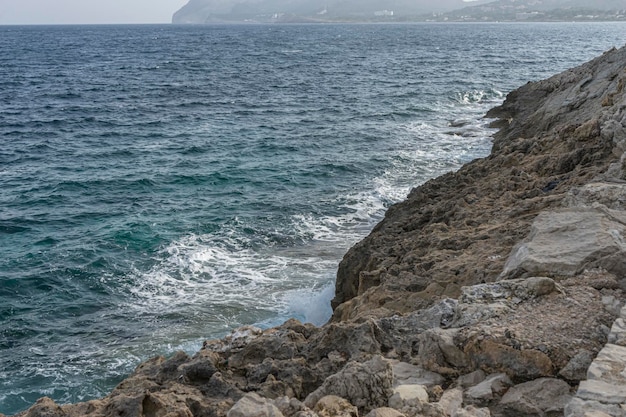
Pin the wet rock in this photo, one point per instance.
(541, 397)
(334, 406)
(253, 405)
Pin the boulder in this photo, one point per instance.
(565, 242)
(519, 364)
(541, 397)
(384, 412)
(253, 405)
(407, 396)
(576, 368)
(451, 401)
(493, 387)
(471, 411)
(407, 374)
(471, 379)
(334, 406)
(365, 384)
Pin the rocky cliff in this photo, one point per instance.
(496, 290)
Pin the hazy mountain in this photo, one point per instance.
(539, 10)
(202, 11)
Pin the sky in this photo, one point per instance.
(25, 12)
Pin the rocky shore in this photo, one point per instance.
(497, 290)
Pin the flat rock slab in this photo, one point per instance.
(602, 392)
(609, 366)
(564, 242)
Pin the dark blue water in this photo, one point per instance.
(160, 185)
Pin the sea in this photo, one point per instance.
(162, 185)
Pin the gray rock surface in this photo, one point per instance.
(541, 397)
(253, 405)
(568, 241)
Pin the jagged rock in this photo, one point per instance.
(289, 406)
(493, 387)
(471, 411)
(334, 406)
(451, 401)
(471, 379)
(567, 241)
(45, 407)
(253, 405)
(407, 396)
(438, 350)
(384, 412)
(519, 364)
(541, 397)
(407, 374)
(365, 384)
(576, 368)
(610, 194)
(617, 335)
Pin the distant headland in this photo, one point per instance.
(315, 11)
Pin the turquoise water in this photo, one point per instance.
(161, 185)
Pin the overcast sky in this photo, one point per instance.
(87, 11)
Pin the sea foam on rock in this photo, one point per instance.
(488, 292)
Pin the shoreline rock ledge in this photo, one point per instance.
(496, 290)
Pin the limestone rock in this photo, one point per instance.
(565, 242)
(365, 384)
(407, 396)
(451, 401)
(45, 407)
(541, 397)
(253, 405)
(602, 391)
(471, 379)
(493, 387)
(609, 365)
(334, 406)
(384, 412)
(406, 374)
(610, 194)
(584, 408)
(471, 411)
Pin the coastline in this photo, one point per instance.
(456, 299)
